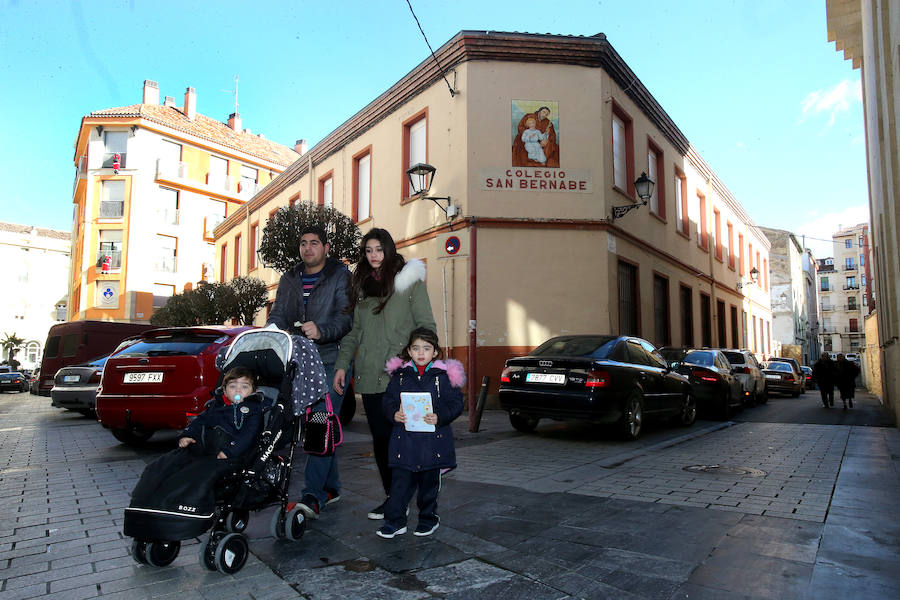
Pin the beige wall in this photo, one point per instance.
(871, 357)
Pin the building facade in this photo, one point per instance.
(532, 249)
(789, 294)
(868, 34)
(845, 286)
(811, 284)
(36, 264)
(152, 182)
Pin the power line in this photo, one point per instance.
(450, 87)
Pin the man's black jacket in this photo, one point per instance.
(325, 307)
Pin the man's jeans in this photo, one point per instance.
(322, 471)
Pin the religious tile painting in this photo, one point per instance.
(535, 133)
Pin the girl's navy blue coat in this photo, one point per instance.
(420, 450)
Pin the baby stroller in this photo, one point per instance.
(290, 377)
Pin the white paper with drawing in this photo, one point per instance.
(415, 406)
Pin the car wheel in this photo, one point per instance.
(87, 412)
(523, 423)
(348, 408)
(132, 436)
(632, 417)
(726, 407)
(765, 395)
(795, 395)
(688, 413)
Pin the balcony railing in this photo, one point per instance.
(849, 267)
(115, 258)
(828, 308)
(111, 210)
(167, 216)
(851, 287)
(171, 169)
(209, 224)
(848, 329)
(165, 264)
(851, 307)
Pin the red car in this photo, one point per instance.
(157, 381)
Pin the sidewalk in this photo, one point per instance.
(565, 513)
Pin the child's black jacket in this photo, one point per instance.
(418, 450)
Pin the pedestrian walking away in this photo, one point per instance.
(422, 399)
(389, 299)
(311, 301)
(824, 372)
(846, 379)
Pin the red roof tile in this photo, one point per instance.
(207, 129)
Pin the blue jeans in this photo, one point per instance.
(322, 471)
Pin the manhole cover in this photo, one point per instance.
(725, 470)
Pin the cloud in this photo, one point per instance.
(819, 229)
(832, 101)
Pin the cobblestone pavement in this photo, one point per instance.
(792, 511)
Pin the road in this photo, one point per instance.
(773, 504)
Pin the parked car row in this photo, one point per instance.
(621, 380)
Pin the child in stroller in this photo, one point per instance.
(232, 466)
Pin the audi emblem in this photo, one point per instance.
(545, 363)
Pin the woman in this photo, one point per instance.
(389, 299)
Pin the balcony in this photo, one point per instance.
(80, 172)
(853, 330)
(171, 170)
(854, 307)
(111, 210)
(165, 264)
(828, 308)
(849, 267)
(115, 259)
(851, 287)
(110, 157)
(167, 216)
(209, 224)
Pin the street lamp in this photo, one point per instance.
(420, 177)
(643, 185)
(754, 276)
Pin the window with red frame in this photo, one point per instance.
(656, 172)
(623, 151)
(237, 255)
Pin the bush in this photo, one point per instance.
(279, 248)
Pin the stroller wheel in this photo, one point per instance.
(231, 553)
(237, 520)
(208, 550)
(161, 554)
(295, 524)
(276, 525)
(139, 551)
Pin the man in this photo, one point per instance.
(311, 301)
(824, 375)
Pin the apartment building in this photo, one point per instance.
(528, 239)
(810, 283)
(35, 299)
(152, 182)
(789, 293)
(845, 287)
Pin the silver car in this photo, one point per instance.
(747, 370)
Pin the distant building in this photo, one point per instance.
(152, 181)
(789, 292)
(810, 282)
(530, 248)
(35, 271)
(845, 287)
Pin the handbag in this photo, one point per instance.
(322, 431)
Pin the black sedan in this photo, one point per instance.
(713, 380)
(781, 378)
(13, 381)
(603, 379)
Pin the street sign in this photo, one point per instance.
(452, 245)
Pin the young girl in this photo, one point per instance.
(388, 298)
(418, 457)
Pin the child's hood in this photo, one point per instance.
(454, 369)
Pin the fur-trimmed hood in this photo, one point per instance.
(454, 369)
(412, 271)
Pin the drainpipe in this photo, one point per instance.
(471, 388)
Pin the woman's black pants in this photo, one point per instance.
(381, 429)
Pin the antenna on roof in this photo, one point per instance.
(235, 92)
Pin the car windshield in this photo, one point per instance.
(704, 359)
(594, 346)
(172, 344)
(779, 366)
(735, 358)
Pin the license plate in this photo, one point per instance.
(71, 378)
(773, 376)
(545, 378)
(155, 377)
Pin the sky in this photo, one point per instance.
(753, 84)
